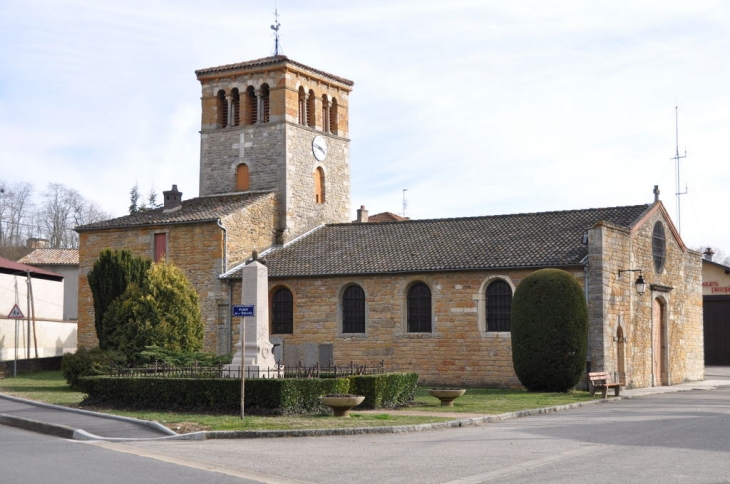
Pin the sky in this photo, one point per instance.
(473, 107)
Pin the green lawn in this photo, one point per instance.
(50, 387)
(494, 401)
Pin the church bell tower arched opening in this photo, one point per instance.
(284, 121)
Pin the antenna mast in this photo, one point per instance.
(275, 28)
(405, 203)
(676, 159)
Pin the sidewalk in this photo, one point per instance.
(79, 424)
(72, 423)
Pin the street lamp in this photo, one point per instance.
(640, 284)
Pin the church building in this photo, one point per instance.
(430, 296)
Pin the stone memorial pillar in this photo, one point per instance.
(257, 355)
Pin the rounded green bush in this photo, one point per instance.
(549, 328)
(162, 311)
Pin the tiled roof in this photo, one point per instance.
(58, 257)
(551, 239)
(386, 217)
(201, 209)
(269, 62)
(716, 264)
(9, 267)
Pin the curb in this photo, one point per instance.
(467, 422)
(64, 431)
(61, 430)
(56, 430)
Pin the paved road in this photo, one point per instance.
(675, 437)
(660, 437)
(32, 458)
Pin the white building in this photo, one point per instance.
(35, 296)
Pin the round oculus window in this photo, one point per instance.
(659, 247)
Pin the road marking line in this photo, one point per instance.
(206, 466)
(524, 466)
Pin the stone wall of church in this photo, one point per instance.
(197, 249)
(458, 351)
(262, 147)
(302, 211)
(279, 157)
(609, 300)
(251, 229)
(674, 294)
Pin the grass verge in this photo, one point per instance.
(50, 387)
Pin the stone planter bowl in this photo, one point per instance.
(447, 395)
(341, 405)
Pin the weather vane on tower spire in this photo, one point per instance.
(275, 28)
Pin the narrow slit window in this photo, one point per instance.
(265, 103)
(242, 177)
(236, 105)
(333, 117)
(222, 109)
(253, 111)
(310, 109)
(302, 119)
(325, 114)
(319, 185)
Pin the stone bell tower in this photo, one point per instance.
(274, 124)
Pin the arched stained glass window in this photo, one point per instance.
(282, 312)
(353, 309)
(419, 308)
(499, 305)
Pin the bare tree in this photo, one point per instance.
(63, 209)
(55, 215)
(15, 207)
(85, 213)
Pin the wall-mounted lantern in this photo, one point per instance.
(640, 284)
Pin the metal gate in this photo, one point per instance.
(716, 318)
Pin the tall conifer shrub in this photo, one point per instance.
(549, 326)
(112, 272)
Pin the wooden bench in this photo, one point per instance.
(600, 379)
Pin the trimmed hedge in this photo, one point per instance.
(50, 363)
(263, 396)
(385, 391)
(88, 362)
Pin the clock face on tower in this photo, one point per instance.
(319, 148)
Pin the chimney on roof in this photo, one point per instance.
(708, 253)
(173, 198)
(362, 215)
(36, 243)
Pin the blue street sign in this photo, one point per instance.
(243, 311)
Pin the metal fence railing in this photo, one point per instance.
(330, 370)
